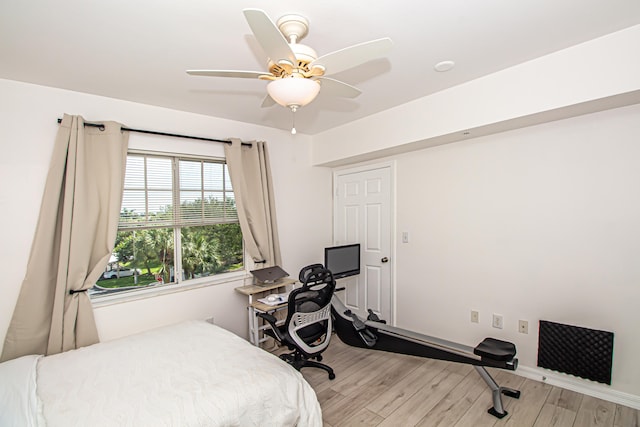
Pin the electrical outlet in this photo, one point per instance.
(523, 326)
(497, 321)
(475, 316)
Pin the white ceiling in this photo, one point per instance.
(139, 50)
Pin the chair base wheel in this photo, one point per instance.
(298, 362)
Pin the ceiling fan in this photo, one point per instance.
(296, 72)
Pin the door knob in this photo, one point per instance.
(385, 259)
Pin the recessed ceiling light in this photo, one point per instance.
(444, 66)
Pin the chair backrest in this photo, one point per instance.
(308, 320)
(305, 271)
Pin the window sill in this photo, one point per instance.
(128, 296)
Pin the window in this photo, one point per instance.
(178, 215)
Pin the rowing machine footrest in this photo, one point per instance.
(491, 348)
(374, 317)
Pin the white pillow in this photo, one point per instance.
(18, 400)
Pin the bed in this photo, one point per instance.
(189, 374)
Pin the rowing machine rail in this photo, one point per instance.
(376, 335)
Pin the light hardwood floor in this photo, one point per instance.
(374, 388)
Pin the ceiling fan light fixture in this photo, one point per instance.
(293, 91)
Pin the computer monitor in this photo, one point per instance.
(343, 261)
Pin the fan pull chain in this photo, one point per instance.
(293, 119)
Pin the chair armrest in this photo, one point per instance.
(271, 320)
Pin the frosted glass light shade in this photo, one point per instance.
(292, 91)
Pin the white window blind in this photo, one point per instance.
(170, 191)
(206, 196)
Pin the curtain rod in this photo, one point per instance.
(153, 132)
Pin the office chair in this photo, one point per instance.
(307, 328)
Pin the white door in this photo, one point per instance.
(362, 214)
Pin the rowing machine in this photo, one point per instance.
(375, 334)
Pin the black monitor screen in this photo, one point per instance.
(343, 261)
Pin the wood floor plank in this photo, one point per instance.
(533, 395)
(363, 417)
(350, 367)
(564, 398)
(419, 405)
(379, 379)
(338, 408)
(477, 415)
(595, 412)
(460, 368)
(555, 416)
(392, 398)
(372, 372)
(626, 417)
(455, 403)
(344, 371)
(325, 395)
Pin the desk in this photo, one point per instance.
(255, 292)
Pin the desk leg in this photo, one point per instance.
(254, 331)
(251, 327)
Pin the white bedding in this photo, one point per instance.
(189, 374)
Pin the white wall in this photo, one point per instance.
(541, 223)
(28, 127)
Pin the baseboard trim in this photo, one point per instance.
(586, 387)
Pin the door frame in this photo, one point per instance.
(366, 167)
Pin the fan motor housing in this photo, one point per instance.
(304, 56)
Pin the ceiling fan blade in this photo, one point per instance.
(268, 102)
(353, 56)
(229, 73)
(337, 88)
(269, 36)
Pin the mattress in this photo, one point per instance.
(188, 374)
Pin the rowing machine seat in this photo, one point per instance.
(491, 348)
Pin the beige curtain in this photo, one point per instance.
(73, 240)
(253, 188)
